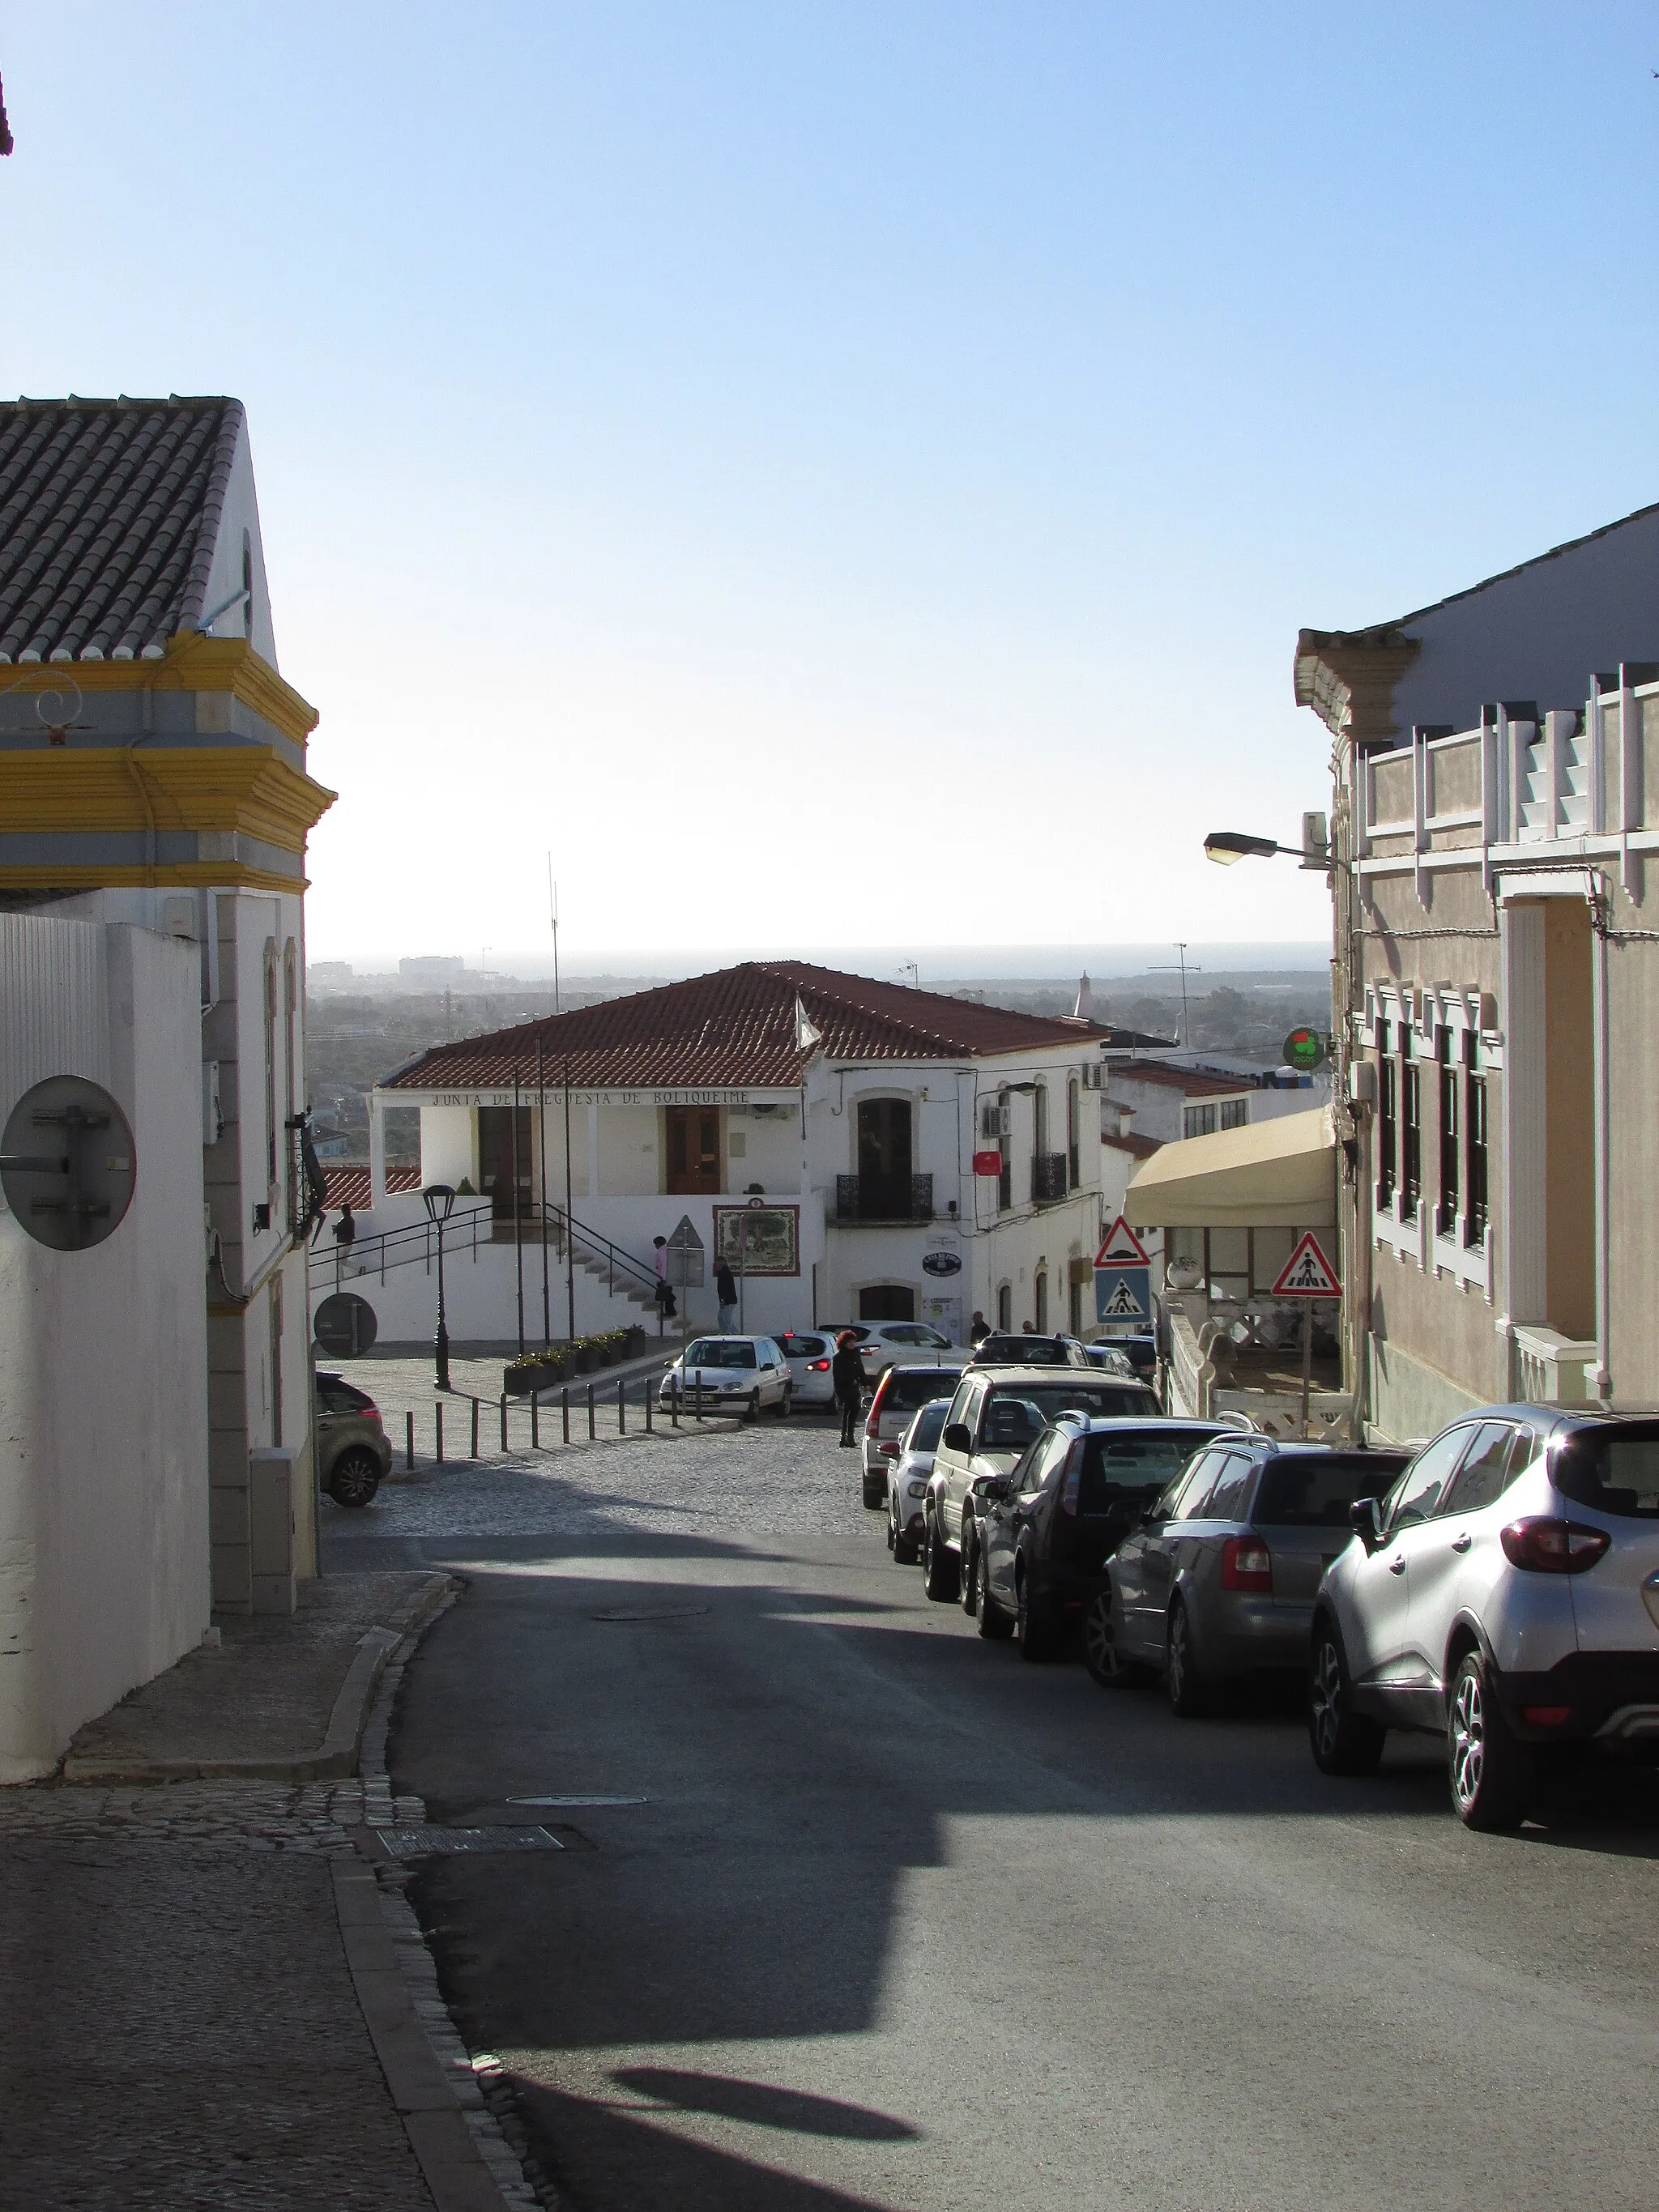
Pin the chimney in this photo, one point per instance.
(1084, 1010)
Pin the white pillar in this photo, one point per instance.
(376, 1147)
(1526, 1044)
(592, 1151)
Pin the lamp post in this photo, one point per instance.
(438, 1200)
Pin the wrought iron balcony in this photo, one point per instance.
(1049, 1177)
(887, 1199)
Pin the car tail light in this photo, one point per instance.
(887, 1451)
(1072, 1478)
(818, 1366)
(1246, 1565)
(1546, 1716)
(1546, 1546)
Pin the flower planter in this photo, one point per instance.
(520, 1382)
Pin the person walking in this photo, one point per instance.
(665, 1306)
(725, 1290)
(847, 1373)
(980, 1329)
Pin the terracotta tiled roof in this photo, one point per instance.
(108, 513)
(1187, 1081)
(1142, 1148)
(345, 1182)
(738, 1027)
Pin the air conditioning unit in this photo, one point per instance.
(995, 1118)
(1094, 1078)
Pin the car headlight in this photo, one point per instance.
(916, 1489)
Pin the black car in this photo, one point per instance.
(1043, 1534)
(1002, 1348)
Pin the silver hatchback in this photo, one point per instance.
(1505, 1595)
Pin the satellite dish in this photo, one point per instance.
(67, 1164)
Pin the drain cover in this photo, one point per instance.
(421, 1843)
(652, 1612)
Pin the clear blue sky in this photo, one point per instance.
(841, 473)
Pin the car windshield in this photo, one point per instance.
(721, 1352)
(1614, 1470)
(1315, 1491)
(1014, 1416)
(1022, 1351)
(1116, 1467)
(910, 1387)
(923, 1433)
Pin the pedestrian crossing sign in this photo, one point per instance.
(1307, 1273)
(1124, 1296)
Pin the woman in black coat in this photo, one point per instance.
(846, 1372)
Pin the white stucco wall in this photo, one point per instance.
(104, 1562)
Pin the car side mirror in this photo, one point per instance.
(958, 1437)
(995, 1486)
(1365, 1519)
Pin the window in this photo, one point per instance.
(1197, 1121)
(1493, 1461)
(271, 1062)
(1313, 1490)
(1074, 1124)
(720, 1352)
(1418, 1497)
(1005, 1147)
(1116, 1467)
(1448, 1079)
(1189, 1500)
(1005, 1307)
(1040, 1119)
(1615, 1470)
(1387, 1120)
(1074, 1309)
(1474, 1121)
(1411, 1140)
(1041, 1304)
(1226, 1501)
(1235, 1113)
(908, 1387)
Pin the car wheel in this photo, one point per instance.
(783, 1406)
(970, 1559)
(354, 1478)
(1491, 1774)
(1034, 1623)
(941, 1569)
(1343, 1741)
(1100, 1652)
(893, 1533)
(1186, 1686)
(751, 1411)
(904, 1551)
(995, 1623)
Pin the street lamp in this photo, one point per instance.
(438, 1200)
(1227, 848)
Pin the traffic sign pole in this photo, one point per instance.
(1307, 1362)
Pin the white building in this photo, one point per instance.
(866, 1150)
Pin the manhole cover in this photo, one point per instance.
(651, 1613)
(420, 1843)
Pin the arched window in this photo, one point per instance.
(1073, 1125)
(1039, 1303)
(1005, 1307)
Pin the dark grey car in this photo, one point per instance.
(1219, 1579)
(354, 1455)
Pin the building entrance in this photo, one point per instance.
(496, 1162)
(693, 1148)
(887, 1302)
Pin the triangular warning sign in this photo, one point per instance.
(1122, 1248)
(1307, 1273)
(1123, 1304)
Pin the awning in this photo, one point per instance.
(1270, 1174)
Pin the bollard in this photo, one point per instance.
(591, 1431)
(535, 1423)
(622, 1410)
(409, 1442)
(648, 1430)
(475, 1428)
(438, 1415)
(564, 1413)
(504, 1420)
(699, 1395)
(674, 1403)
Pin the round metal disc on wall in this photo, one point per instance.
(345, 1326)
(67, 1164)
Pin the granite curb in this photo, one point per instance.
(332, 1759)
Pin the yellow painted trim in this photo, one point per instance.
(219, 875)
(114, 787)
(193, 662)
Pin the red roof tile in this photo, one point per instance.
(1187, 1081)
(738, 1027)
(345, 1182)
(1142, 1147)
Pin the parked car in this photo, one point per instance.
(995, 1414)
(1002, 1348)
(1138, 1348)
(907, 1479)
(722, 1372)
(807, 1353)
(1506, 1595)
(1219, 1579)
(353, 1453)
(882, 1344)
(1035, 1541)
(900, 1394)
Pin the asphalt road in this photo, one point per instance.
(903, 1921)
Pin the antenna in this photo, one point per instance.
(1169, 970)
(553, 911)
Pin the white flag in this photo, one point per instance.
(805, 1036)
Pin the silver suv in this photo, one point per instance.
(1504, 1593)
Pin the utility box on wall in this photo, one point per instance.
(270, 1499)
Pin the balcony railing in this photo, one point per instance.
(1048, 1178)
(1552, 1368)
(884, 1197)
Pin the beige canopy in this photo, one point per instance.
(1270, 1174)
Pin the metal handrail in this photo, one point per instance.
(418, 1242)
(615, 1258)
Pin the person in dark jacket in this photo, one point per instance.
(725, 1290)
(847, 1373)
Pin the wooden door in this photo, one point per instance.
(693, 1148)
(496, 1159)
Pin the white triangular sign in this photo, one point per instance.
(1307, 1273)
(1123, 1305)
(1122, 1248)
